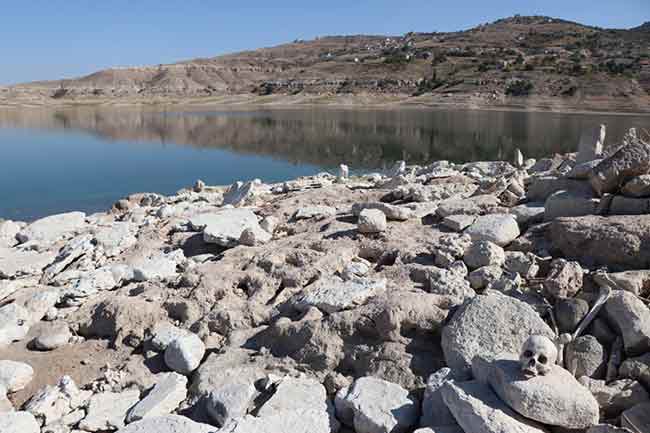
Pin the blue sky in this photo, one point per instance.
(49, 39)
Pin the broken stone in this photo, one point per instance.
(627, 162)
(458, 223)
(166, 395)
(632, 319)
(184, 354)
(107, 410)
(372, 221)
(564, 279)
(230, 402)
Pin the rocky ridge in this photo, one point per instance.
(478, 297)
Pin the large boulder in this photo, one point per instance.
(632, 319)
(478, 409)
(621, 242)
(556, 398)
(632, 159)
(489, 325)
(162, 399)
(225, 227)
(50, 229)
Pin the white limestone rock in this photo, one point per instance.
(166, 395)
(224, 227)
(500, 229)
(107, 410)
(52, 228)
(333, 294)
(15, 262)
(230, 402)
(18, 422)
(14, 375)
(184, 354)
(168, 424)
(372, 221)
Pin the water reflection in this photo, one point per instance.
(324, 137)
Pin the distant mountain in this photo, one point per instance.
(521, 60)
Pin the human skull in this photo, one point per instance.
(538, 355)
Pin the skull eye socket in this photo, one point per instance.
(542, 359)
(528, 354)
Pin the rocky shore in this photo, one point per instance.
(446, 298)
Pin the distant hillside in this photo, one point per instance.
(518, 61)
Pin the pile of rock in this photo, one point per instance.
(479, 297)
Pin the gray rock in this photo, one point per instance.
(627, 239)
(489, 325)
(157, 266)
(637, 368)
(458, 223)
(619, 205)
(318, 212)
(52, 228)
(581, 171)
(616, 396)
(556, 398)
(627, 162)
(107, 410)
(524, 264)
(498, 228)
(607, 428)
(585, 356)
(14, 376)
(378, 406)
(18, 422)
(5, 404)
(541, 188)
(434, 410)
(72, 251)
(637, 186)
(372, 221)
(115, 238)
(483, 253)
(225, 227)
(564, 279)
(566, 204)
(184, 354)
(254, 237)
(239, 192)
(16, 262)
(163, 333)
(591, 144)
(295, 421)
(394, 213)
(230, 402)
(52, 337)
(484, 277)
(528, 213)
(569, 312)
(632, 319)
(168, 424)
(332, 294)
(166, 395)
(478, 410)
(637, 419)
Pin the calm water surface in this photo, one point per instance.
(87, 158)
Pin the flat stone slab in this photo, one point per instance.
(52, 228)
(107, 410)
(335, 294)
(225, 227)
(168, 424)
(478, 409)
(556, 398)
(16, 262)
(18, 422)
(162, 399)
(309, 212)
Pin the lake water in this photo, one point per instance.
(87, 158)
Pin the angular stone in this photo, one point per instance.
(8, 232)
(477, 409)
(167, 424)
(50, 229)
(632, 319)
(230, 402)
(166, 395)
(484, 277)
(158, 266)
(115, 238)
(564, 279)
(295, 393)
(483, 253)
(616, 396)
(392, 212)
(295, 421)
(637, 368)
(636, 282)
(627, 240)
(556, 398)
(332, 294)
(239, 192)
(72, 251)
(585, 356)
(458, 223)
(581, 171)
(524, 264)
(52, 403)
(309, 212)
(184, 354)
(627, 162)
(566, 204)
(541, 188)
(372, 221)
(14, 376)
(14, 323)
(225, 227)
(489, 325)
(107, 410)
(498, 228)
(378, 406)
(252, 237)
(18, 422)
(637, 186)
(54, 336)
(528, 213)
(569, 312)
(434, 410)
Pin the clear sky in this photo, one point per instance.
(50, 39)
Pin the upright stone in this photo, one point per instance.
(591, 143)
